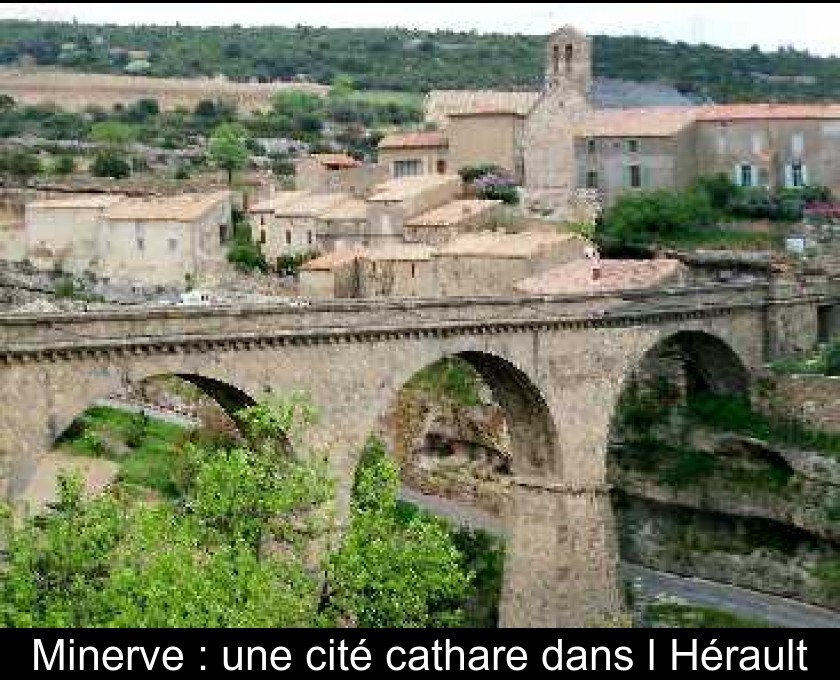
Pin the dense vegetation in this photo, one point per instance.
(415, 61)
(698, 215)
(210, 529)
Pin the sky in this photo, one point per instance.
(810, 26)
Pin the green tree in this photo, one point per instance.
(390, 572)
(228, 148)
(113, 133)
(20, 165)
(110, 163)
(64, 164)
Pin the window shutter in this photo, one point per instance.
(788, 176)
(754, 175)
(646, 176)
(804, 175)
(736, 176)
(625, 176)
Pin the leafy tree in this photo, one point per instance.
(20, 165)
(113, 133)
(229, 148)
(110, 163)
(64, 164)
(392, 573)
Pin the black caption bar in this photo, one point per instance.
(540, 651)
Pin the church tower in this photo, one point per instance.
(568, 62)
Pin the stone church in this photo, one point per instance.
(581, 142)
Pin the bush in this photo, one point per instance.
(470, 173)
(244, 253)
(110, 164)
(497, 185)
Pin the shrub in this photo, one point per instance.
(110, 164)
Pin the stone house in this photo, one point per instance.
(398, 200)
(344, 225)
(487, 136)
(167, 240)
(407, 154)
(337, 173)
(442, 224)
(294, 228)
(490, 263)
(397, 270)
(65, 233)
(333, 275)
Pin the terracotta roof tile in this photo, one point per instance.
(724, 112)
(333, 259)
(179, 208)
(78, 202)
(503, 245)
(398, 252)
(652, 122)
(440, 104)
(403, 188)
(453, 213)
(576, 277)
(336, 160)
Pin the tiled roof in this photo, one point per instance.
(576, 277)
(652, 122)
(277, 200)
(180, 208)
(453, 213)
(333, 259)
(398, 252)
(354, 209)
(402, 188)
(78, 202)
(336, 160)
(309, 205)
(723, 112)
(442, 103)
(504, 245)
(413, 140)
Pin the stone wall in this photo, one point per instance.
(811, 399)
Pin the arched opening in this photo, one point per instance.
(568, 53)
(555, 59)
(132, 435)
(694, 491)
(459, 430)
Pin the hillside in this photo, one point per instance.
(402, 59)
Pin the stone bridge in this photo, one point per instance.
(556, 366)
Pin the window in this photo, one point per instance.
(797, 144)
(140, 236)
(262, 220)
(223, 233)
(413, 272)
(796, 175)
(746, 176)
(590, 146)
(591, 180)
(568, 53)
(173, 245)
(309, 237)
(262, 236)
(763, 177)
(633, 146)
(556, 59)
(757, 144)
(407, 168)
(288, 237)
(441, 167)
(635, 176)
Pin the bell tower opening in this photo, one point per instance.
(568, 61)
(567, 56)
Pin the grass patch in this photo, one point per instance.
(824, 362)
(673, 615)
(452, 379)
(414, 99)
(734, 414)
(145, 448)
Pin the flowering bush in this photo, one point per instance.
(497, 185)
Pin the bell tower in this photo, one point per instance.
(568, 62)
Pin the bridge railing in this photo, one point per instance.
(301, 317)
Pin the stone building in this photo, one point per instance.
(580, 142)
(490, 263)
(294, 226)
(337, 173)
(407, 154)
(442, 224)
(397, 270)
(65, 233)
(334, 274)
(168, 240)
(345, 224)
(398, 200)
